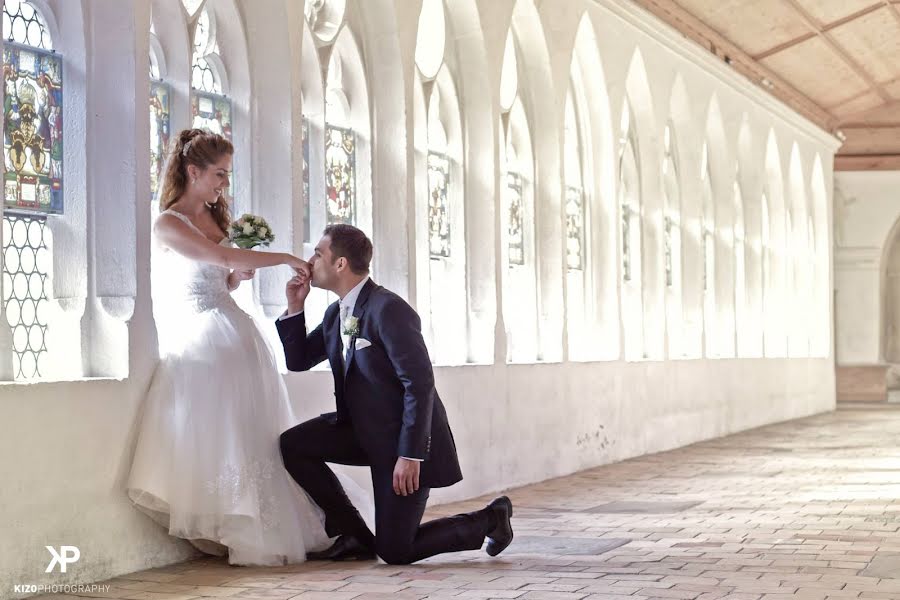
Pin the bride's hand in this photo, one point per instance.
(300, 266)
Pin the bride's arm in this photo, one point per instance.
(177, 235)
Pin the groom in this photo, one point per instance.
(389, 416)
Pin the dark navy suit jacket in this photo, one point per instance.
(385, 391)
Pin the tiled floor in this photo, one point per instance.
(803, 510)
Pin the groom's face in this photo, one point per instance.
(324, 267)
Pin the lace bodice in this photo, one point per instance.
(181, 282)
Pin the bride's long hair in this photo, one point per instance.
(203, 149)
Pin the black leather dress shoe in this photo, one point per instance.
(502, 534)
(346, 547)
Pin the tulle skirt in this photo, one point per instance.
(207, 464)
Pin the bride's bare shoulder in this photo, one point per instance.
(169, 223)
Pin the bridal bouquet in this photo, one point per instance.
(250, 231)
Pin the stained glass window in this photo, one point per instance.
(516, 219)
(204, 76)
(159, 132)
(340, 174)
(211, 112)
(574, 227)
(438, 207)
(26, 281)
(25, 25)
(33, 115)
(33, 151)
(304, 132)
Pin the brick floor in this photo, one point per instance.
(806, 510)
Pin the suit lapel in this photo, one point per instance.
(358, 311)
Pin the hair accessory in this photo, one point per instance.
(187, 147)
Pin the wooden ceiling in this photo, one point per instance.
(837, 62)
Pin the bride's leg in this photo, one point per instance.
(305, 449)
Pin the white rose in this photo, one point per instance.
(248, 229)
(240, 224)
(262, 231)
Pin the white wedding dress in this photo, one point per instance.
(207, 464)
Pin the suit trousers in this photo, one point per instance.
(400, 537)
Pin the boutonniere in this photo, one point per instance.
(350, 326)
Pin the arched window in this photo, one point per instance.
(708, 237)
(340, 149)
(515, 208)
(33, 188)
(517, 217)
(335, 130)
(631, 237)
(740, 270)
(575, 204)
(304, 142)
(775, 296)
(160, 111)
(312, 139)
(812, 287)
(672, 245)
(578, 278)
(672, 219)
(345, 126)
(211, 109)
(439, 246)
(765, 246)
(629, 198)
(441, 290)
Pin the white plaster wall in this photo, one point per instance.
(66, 447)
(866, 208)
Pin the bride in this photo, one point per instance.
(207, 464)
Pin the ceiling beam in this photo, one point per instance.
(892, 6)
(800, 39)
(867, 162)
(693, 28)
(829, 40)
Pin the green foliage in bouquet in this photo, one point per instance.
(250, 231)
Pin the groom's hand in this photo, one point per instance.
(406, 477)
(296, 290)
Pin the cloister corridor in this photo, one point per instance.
(806, 509)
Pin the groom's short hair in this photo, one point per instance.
(352, 244)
